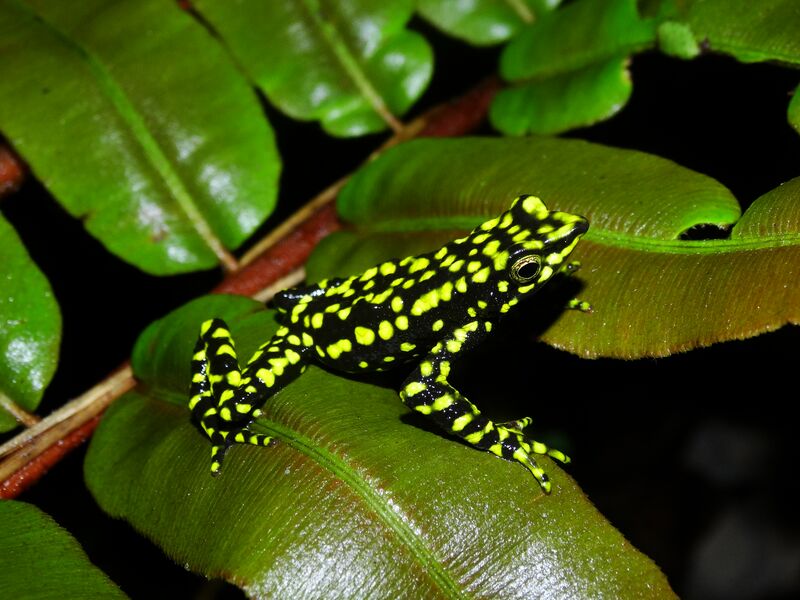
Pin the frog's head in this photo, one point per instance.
(531, 244)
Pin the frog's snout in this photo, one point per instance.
(580, 226)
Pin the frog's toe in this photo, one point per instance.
(516, 426)
(217, 454)
(522, 456)
(579, 305)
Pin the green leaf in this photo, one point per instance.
(794, 110)
(39, 559)
(553, 105)
(350, 64)
(676, 39)
(354, 485)
(470, 179)
(569, 69)
(484, 22)
(30, 327)
(653, 294)
(136, 120)
(750, 31)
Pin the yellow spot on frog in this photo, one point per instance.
(481, 276)
(532, 204)
(385, 330)
(414, 388)
(462, 422)
(397, 304)
(266, 377)
(419, 264)
(456, 266)
(226, 349)
(442, 402)
(364, 336)
(369, 273)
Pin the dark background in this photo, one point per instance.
(692, 457)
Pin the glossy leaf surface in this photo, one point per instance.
(350, 64)
(750, 31)
(357, 498)
(653, 294)
(136, 120)
(39, 559)
(30, 327)
(794, 110)
(569, 68)
(484, 22)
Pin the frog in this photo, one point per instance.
(425, 310)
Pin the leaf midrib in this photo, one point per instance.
(140, 132)
(349, 63)
(600, 236)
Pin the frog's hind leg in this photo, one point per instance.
(224, 400)
(427, 391)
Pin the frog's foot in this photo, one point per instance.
(241, 436)
(529, 445)
(515, 445)
(581, 305)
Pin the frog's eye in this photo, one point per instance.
(526, 268)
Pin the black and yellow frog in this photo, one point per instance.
(427, 309)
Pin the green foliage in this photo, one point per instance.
(30, 327)
(352, 486)
(766, 30)
(38, 559)
(138, 123)
(484, 22)
(570, 69)
(351, 65)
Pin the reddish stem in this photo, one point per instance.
(12, 171)
(288, 254)
(41, 464)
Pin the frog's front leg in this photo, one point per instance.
(224, 400)
(569, 270)
(427, 391)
